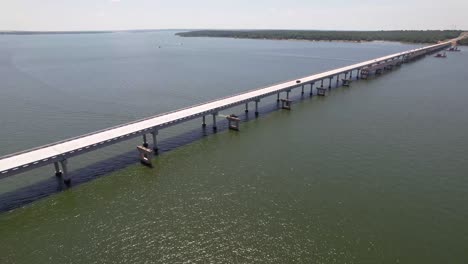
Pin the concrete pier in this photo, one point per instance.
(58, 172)
(214, 121)
(364, 74)
(66, 177)
(145, 141)
(256, 106)
(286, 104)
(346, 82)
(321, 91)
(233, 122)
(145, 155)
(155, 141)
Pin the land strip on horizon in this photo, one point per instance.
(408, 36)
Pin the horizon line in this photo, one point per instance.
(224, 29)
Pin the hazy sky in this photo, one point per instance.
(244, 14)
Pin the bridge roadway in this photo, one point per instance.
(59, 152)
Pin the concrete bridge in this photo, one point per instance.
(59, 153)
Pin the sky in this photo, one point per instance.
(72, 15)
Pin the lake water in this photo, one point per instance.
(375, 173)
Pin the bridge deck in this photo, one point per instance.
(26, 160)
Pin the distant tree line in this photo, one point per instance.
(411, 36)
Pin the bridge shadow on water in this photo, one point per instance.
(52, 185)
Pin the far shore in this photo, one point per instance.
(420, 37)
(338, 40)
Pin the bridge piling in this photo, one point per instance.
(287, 94)
(58, 172)
(311, 89)
(146, 156)
(277, 97)
(155, 142)
(286, 104)
(233, 122)
(337, 80)
(346, 82)
(246, 107)
(214, 121)
(66, 177)
(321, 91)
(256, 106)
(145, 141)
(330, 82)
(204, 121)
(302, 91)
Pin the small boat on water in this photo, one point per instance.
(441, 55)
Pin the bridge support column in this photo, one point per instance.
(287, 94)
(302, 91)
(357, 74)
(347, 82)
(346, 75)
(351, 75)
(155, 142)
(337, 80)
(329, 82)
(145, 156)
(321, 91)
(233, 122)
(312, 89)
(214, 121)
(145, 141)
(247, 107)
(321, 83)
(286, 104)
(277, 97)
(66, 177)
(58, 172)
(204, 121)
(256, 106)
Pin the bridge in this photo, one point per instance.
(59, 153)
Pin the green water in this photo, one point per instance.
(375, 173)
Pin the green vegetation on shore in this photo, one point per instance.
(411, 36)
(463, 42)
